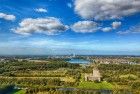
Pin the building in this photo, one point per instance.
(95, 76)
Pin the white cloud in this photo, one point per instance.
(106, 9)
(85, 27)
(123, 32)
(116, 25)
(49, 26)
(41, 10)
(69, 5)
(106, 29)
(131, 30)
(7, 17)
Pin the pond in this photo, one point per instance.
(7, 89)
(79, 61)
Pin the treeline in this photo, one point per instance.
(66, 91)
(76, 91)
(15, 65)
(136, 60)
(122, 74)
(31, 82)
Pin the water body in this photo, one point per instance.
(8, 90)
(79, 61)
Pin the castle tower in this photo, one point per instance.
(96, 74)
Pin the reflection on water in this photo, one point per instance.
(79, 61)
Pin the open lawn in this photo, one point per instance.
(93, 85)
(20, 92)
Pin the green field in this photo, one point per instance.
(93, 85)
(20, 92)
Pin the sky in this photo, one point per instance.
(61, 27)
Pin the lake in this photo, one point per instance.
(79, 61)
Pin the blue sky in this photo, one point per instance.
(94, 27)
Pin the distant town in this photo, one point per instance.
(103, 59)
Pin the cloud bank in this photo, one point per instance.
(85, 27)
(49, 26)
(131, 30)
(91, 26)
(106, 9)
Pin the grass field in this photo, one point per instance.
(93, 85)
(20, 92)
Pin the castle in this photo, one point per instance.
(95, 76)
